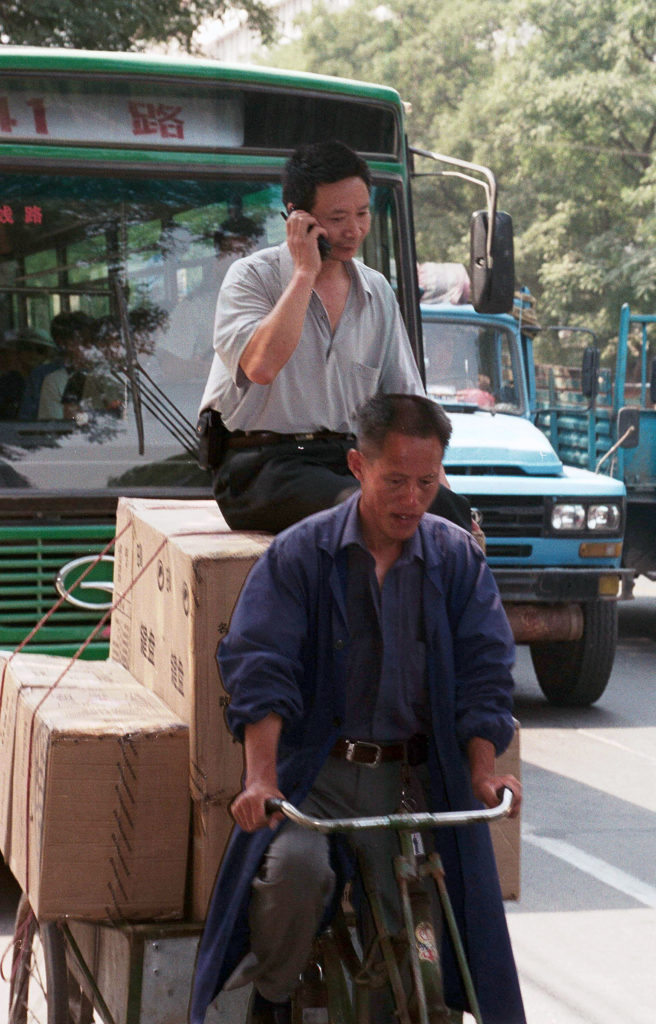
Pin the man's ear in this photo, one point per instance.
(354, 462)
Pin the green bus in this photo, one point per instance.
(128, 184)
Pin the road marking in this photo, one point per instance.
(618, 746)
(599, 869)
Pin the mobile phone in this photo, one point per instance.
(322, 241)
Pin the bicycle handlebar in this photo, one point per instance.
(423, 819)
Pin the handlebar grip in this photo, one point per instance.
(273, 804)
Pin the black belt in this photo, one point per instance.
(413, 751)
(256, 438)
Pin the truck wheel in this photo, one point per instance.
(574, 673)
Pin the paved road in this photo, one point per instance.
(584, 931)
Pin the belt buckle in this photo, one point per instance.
(351, 747)
(304, 437)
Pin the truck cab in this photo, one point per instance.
(553, 532)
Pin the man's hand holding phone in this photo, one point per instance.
(304, 232)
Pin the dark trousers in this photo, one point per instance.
(270, 487)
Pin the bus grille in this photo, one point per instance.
(30, 558)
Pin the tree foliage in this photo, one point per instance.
(120, 24)
(557, 99)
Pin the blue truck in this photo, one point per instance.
(603, 418)
(553, 531)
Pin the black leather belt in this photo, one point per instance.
(256, 438)
(413, 751)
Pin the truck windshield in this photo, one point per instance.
(473, 365)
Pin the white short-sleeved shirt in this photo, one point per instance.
(329, 374)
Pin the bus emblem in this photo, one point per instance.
(67, 575)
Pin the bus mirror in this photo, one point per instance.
(652, 381)
(590, 372)
(492, 280)
(628, 426)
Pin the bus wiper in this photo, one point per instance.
(166, 412)
(147, 393)
(131, 364)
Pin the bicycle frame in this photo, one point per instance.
(424, 956)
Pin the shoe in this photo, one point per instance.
(263, 1011)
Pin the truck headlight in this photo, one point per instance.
(577, 517)
(604, 517)
(566, 517)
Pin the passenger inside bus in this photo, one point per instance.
(21, 352)
(76, 380)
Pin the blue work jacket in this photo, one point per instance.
(286, 652)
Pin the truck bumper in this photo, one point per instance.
(554, 586)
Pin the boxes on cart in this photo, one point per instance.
(181, 570)
(26, 669)
(100, 795)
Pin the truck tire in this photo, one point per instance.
(574, 673)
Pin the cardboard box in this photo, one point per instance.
(181, 570)
(506, 834)
(28, 669)
(100, 796)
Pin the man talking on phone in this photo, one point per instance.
(303, 335)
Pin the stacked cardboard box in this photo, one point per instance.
(95, 800)
(180, 570)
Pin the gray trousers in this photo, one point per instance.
(295, 882)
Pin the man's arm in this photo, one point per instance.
(261, 782)
(276, 337)
(486, 784)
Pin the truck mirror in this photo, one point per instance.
(652, 381)
(590, 372)
(628, 426)
(492, 274)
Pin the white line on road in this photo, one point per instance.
(599, 869)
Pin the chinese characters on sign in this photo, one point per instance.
(156, 118)
(31, 214)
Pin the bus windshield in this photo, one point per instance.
(469, 364)
(108, 286)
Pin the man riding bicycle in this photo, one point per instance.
(368, 654)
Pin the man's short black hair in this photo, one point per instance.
(319, 163)
(64, 327)
(412, 415)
